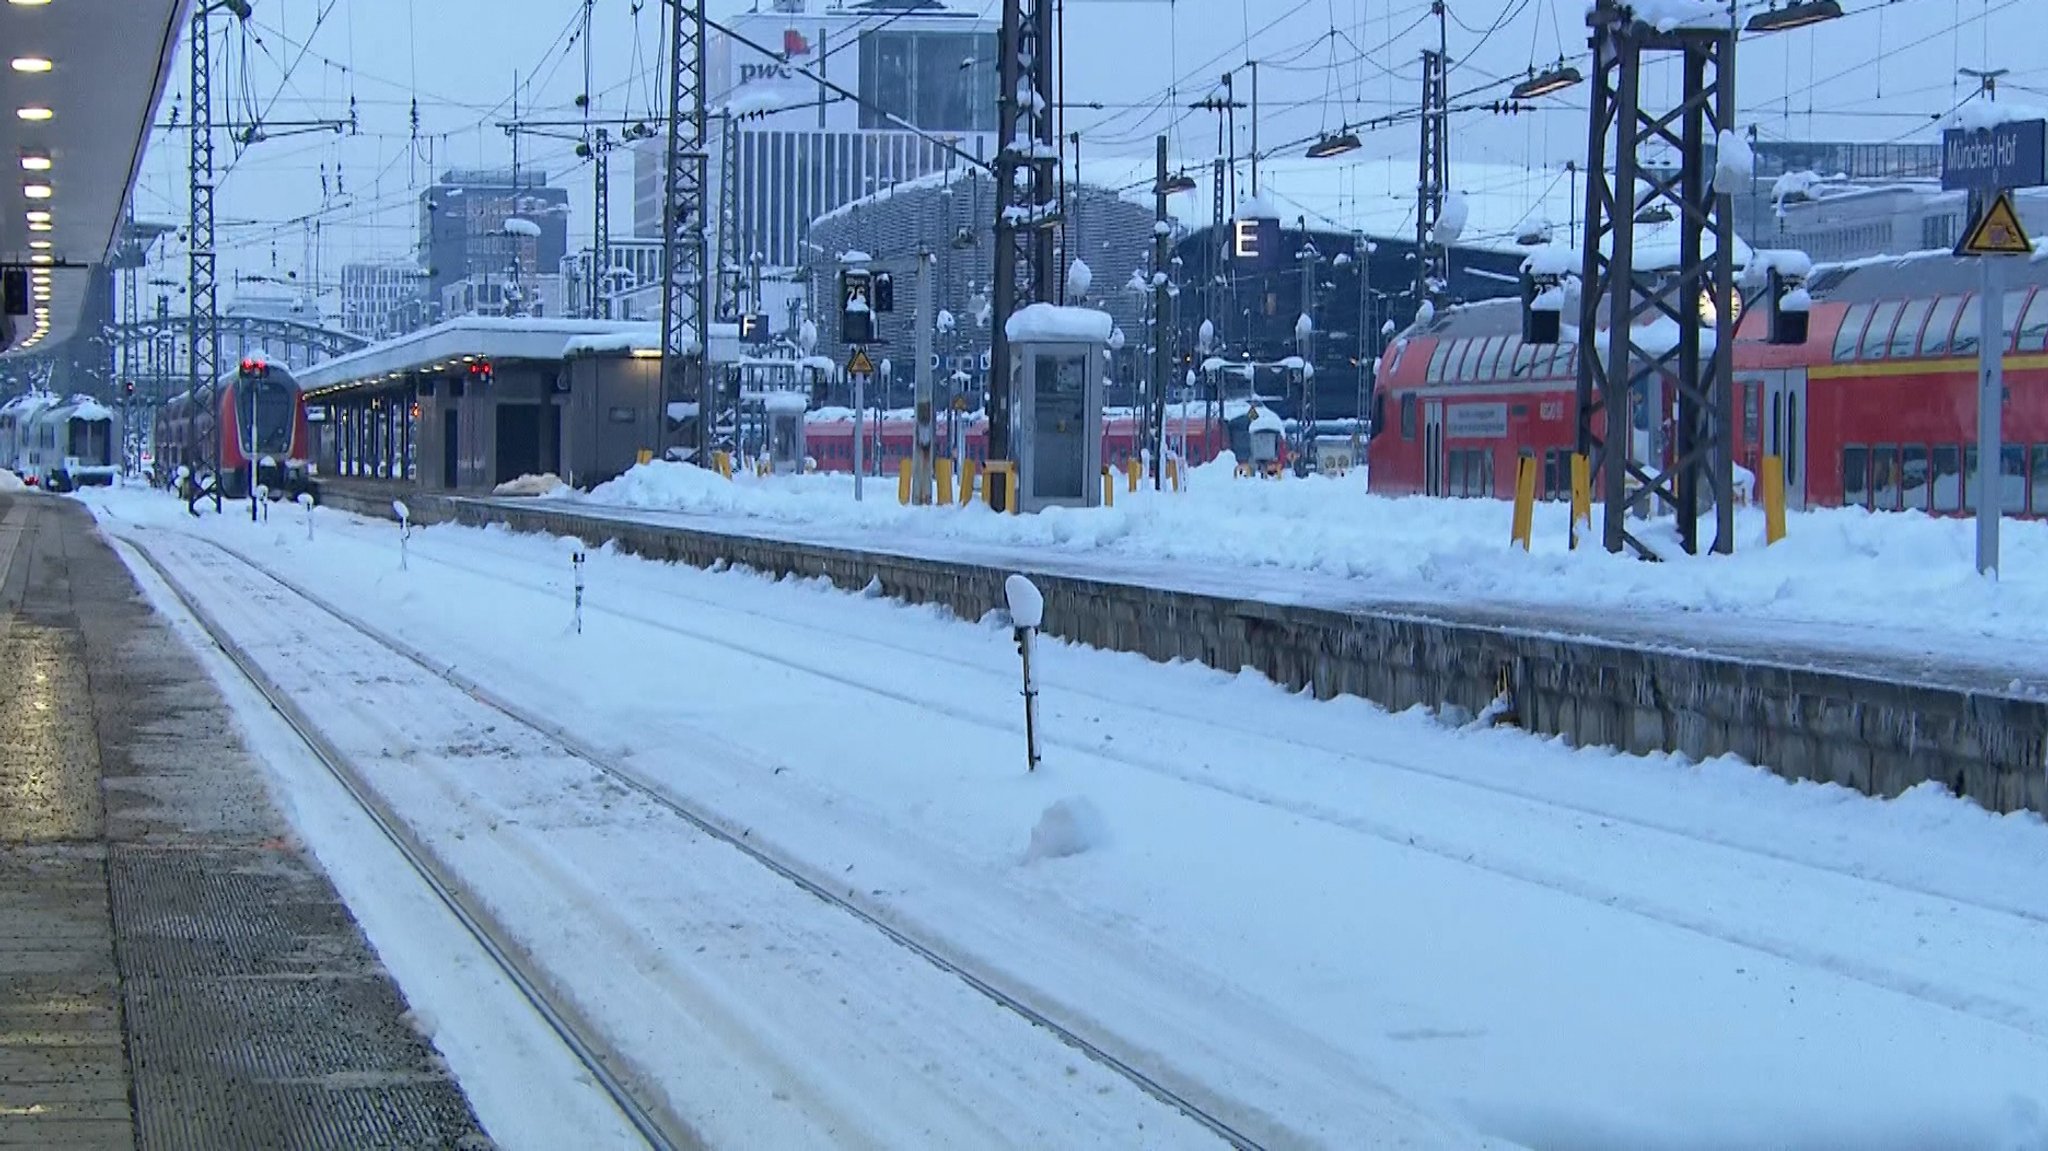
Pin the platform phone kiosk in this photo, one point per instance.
(784, 419)
(1056, 358)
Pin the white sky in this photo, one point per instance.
(1885, 72)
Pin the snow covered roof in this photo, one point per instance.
(1053, 323)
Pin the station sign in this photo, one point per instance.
(2009, 155)
(1255, 241)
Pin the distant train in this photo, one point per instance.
(828, 439)
(59, 444)
(260, 410)
(1877, 409)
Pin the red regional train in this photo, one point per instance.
(262, 414)
(1877, 409)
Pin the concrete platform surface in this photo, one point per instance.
(174, 972)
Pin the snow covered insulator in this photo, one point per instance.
(1789, 305)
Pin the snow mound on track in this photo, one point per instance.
(529, 485)
(9, 482)
(1069, 827)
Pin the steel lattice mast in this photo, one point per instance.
(601, 225)
(1027, 206)
(203, 336)
(685, 306)
(1625, 283)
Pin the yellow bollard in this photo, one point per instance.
(1525, 501)
(722, 462)
(943, 467)
(903, 482)
(1135, 469)
(1774, 499)
(969, 469)
(646, 455)
(1582, 496)
(1002, 472)
(1108, 488)
(1173, 473)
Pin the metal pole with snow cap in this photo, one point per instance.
(306, 502)
(1027, 613)
(577, 557)
(404, 515)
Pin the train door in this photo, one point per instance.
(1433, 447)
(1785, 430)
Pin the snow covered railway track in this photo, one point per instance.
(1886, 969)
(661, 1132)
(1183, 1100)
(1101, 692)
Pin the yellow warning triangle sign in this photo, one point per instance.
(1997, 233)
(858, 363)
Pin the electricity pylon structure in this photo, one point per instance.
(1027, 204)
(729, 259)
(203, 337)
(685, 302)
(601, 225)
(1432, 255)
(1667, 301)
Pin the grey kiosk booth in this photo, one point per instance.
(1056, 404)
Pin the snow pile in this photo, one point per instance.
(520, 226)
(1450, 223)
(1053, 323)
(1080, 277)
(1979, 114)
(9, 482)
(1734, 162)
(1027, 603)
(529, 485)
(1255, 208)
(1552, 260)
(1794, 186)
(1069, 827)
(1796, 300)
(87, 408)
(1303, 326)
(1267, 421)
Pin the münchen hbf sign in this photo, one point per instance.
(2002, 156)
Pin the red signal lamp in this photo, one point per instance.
(254, 367)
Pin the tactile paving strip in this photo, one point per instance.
(257, 1015)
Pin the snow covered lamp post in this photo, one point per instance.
(306, 502)
(404, 515)
(1027, 614)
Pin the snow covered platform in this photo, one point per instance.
(174, 971)
(1816, 702)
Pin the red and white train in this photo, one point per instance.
(1876, 409)
(830, 441)
(261, 411)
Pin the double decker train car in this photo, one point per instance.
(1877, 409)
(260, 410)
(57, 443)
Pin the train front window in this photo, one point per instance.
(269, 411)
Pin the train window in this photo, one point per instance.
(1877, 337)
(1913, 477)
(1884, 478)
(1487, 366)
(1436, 361)
(1855, 477)
(2039, 486)
(1967, 327)
(2009, 316)
(1935, 340)
(1947, 480)
(1851, 331)
(1485, 484)
(1525, 356)
(1454, 362)
(1550, 470)
(1970, 478)
(1408, 417)
(2012, 479)
(2034, 326)
(1906, 336)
